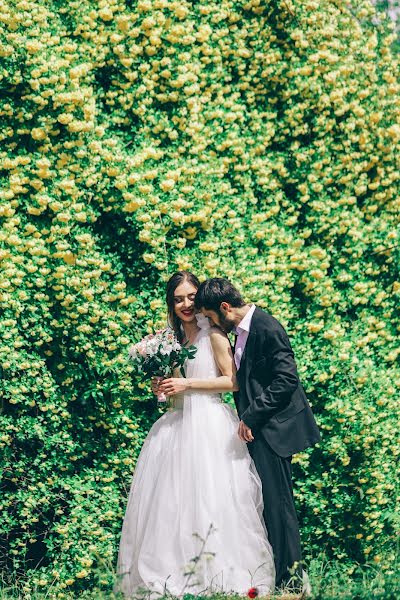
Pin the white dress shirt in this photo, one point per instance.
(243, 333)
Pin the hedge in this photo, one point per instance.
(259, 140)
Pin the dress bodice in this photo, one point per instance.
(202, 366)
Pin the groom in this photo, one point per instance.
(276, 419)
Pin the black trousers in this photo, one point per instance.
(279, 510)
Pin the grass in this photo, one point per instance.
(330, 580)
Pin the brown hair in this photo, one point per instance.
(173, 282)
(216, 290)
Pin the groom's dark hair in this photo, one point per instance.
(216, 290)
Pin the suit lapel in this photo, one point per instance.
(247, 356)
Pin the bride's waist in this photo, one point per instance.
(177, 400)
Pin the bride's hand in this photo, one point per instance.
(173, 385)
(155, 384)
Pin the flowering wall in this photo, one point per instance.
(255, 140)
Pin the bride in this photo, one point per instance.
(193, 521)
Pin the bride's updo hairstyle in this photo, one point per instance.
(173, 282)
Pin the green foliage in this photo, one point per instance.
(258, 140)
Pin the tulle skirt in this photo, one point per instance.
(193, 521)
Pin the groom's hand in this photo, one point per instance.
(244, 432)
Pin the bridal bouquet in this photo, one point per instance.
(157, 354)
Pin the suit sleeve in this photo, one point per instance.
(279, 354)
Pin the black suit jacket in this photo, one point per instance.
(271, 400)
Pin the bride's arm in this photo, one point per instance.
(226, 382)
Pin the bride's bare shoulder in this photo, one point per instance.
(217, 330)
(217, 335)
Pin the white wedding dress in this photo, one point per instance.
(195, 490)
